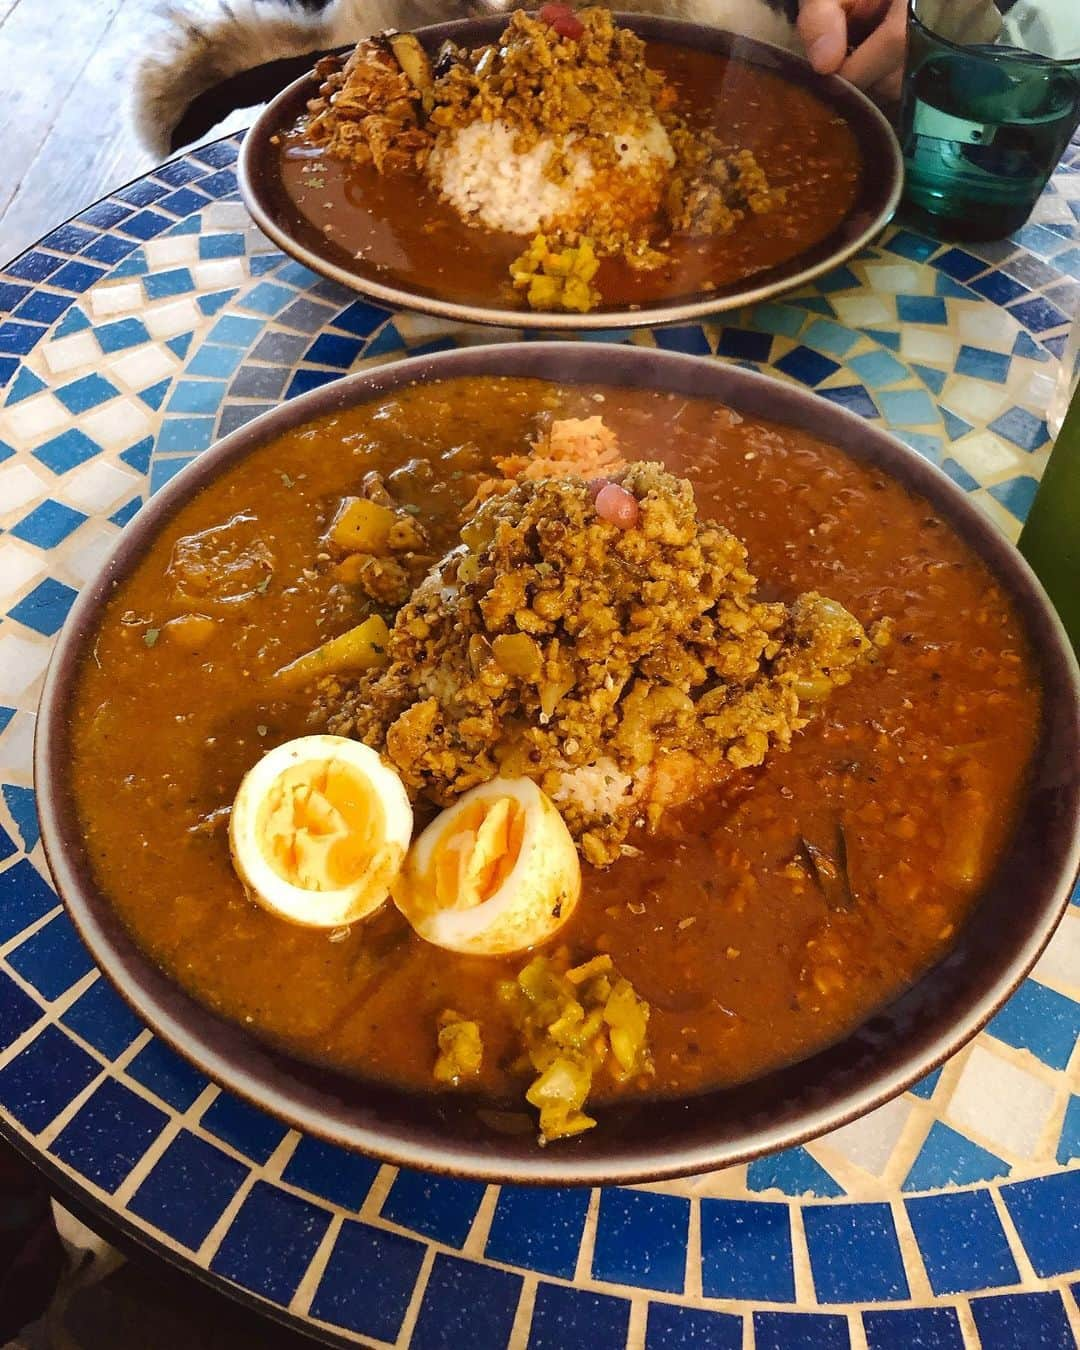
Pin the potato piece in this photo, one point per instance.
(359, 648)
(190, 631)
(362, 526)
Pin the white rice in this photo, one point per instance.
(599, 790)
(478, 171)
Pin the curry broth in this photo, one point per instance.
(921, 758)
(399, 230)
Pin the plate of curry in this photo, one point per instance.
(643, 170)
(778, 739)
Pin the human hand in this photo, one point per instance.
(876, 63)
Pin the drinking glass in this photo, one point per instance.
(984, 123)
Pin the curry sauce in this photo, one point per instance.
(760, 923)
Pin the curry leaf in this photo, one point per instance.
(151, 636)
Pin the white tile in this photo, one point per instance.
(1052, 211)
(257, 242)
(927, 344)
(218, 273)
(859, 310)
(18, 566)
(1004, 1104)
(119, 425)
(986, 455)
(33, 419)
(898, 278)
(869, 1141)
(175, 250)
(17, 744)
(143, 367)
(1068, 185)
(98, 485)
(179, 316)
(1060, 963)
(989, 327)
(117, 297)
(78, 349)
(1036, 391)
(81, 563)
(224, 217)
(21, 663)
(19, 485)
(974, 400)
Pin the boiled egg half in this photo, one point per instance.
(319, 830)
(497, 872)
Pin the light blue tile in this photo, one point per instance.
(908, 407)
(878, 369)
(777, 319)
(830, 337)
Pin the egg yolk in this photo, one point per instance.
(320, 825)
(478, 853)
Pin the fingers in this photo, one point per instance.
(880, 58)
(823, 29)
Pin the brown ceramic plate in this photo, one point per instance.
(1008, 927)
(876, 200)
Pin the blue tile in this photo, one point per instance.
(1000, 288)
(154, 396)
(188, 1189)
(929, 447)
(854, 1253)
(163, 1071)
(45, 608)
(1026, 346)
(218, 155)
(744, 344)
(689, 338)
(331, 1172)
(439, 1207)
(673, 1328)
(360, 318)
(746, 1250)
(948, 1159)
(565, 1317)
(134, 265)
(138, 455)
(825, 336)
(266, 298)
(219, 184)
(234, 331)
(12, 294)
(853, 397)
(26, 384)
(1046, 1212)
(140, 193)
(210, 304)
(296, 274)
(1023, 1322)
(818, 305)
(196, 396)
(70, 238)
(1069, 261)
(18, 1012)
(40, 1082)
(913, 246)
(907, 407)
(955, 427)
(962, 1242)
(214, 360)
(800, 1331)
(1054, 345)
(983, 364)
(388, 339)
(306, 316)
(330, 349)
(221, 246)
(249, 1130)
(1068, 1149)
(235, 415)
(466, 1304)
(946, 287)
(933, 379)
(110, 249)
(190, 225)
(1038, 315)
(913, 1329)
(1039, 240)
(1021, 427)
(47, 524)
(883, 337)
(368, 1281)
(959, 265)
(102, 1018)
(34, 266)
(24, 898)
(183, 202)
(641, 1239)
(23, 807)
(64, 452)
(20, 338)
(53, 959)
(6, 714)
(88, 392)
(840, 279)
(44, 307)
(921, 309)
(166, 469)
(185, 435)
(109, 1134)
(261, 263)
(259, 382)
(1036, 1018)
(104, 214)
(782, 319)
(305, 380)
(270, 1242)
(1016, 496)
(179, 172)
(8, 847)
(539, 1229)
(878, 369)
(77, 276)
(8, 366)
(125, 513)
(145, 225)
(114, 337)
(806, 366)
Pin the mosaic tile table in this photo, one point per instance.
(160, 319)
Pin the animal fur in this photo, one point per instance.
(203, 42)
